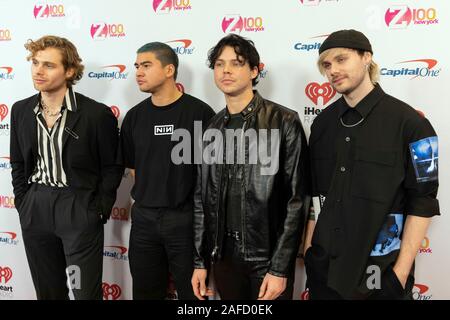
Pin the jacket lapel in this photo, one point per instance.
(31, 125)
(73, 115)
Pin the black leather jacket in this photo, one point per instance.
(274, 207)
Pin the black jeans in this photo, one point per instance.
(237, 279)
(62, 229)
(161, 241)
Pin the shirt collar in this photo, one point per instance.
(365, 106)
(249, 109)
(69, 102)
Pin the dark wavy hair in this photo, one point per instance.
(244, 48)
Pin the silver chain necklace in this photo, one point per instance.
(350, 125)
(47, 110)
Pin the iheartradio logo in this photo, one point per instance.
(111, 292)
(3, 111)
(314, 90)
(116, 111)
(5, 274)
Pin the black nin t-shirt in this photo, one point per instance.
(234, 181)
(146, 146)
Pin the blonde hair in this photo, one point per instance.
(373, 69)
(69, 53)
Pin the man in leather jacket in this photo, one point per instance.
(251, 200)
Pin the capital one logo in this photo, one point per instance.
(5, 274)
(8, 237)
(111, 292)
(115, 252)
(116, 111)
(400, 16)
(5, 163)
(114, 72)
(181, 46)
(310, 46)
(6, 73)
(3, 112)
(262, 70)
(420, 292)
(166, 6)
(314, 90)
(5, 35)
(45, 11)
(236, 24)
(424, 68)
(102, 30)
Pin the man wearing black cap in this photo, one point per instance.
(375, 174)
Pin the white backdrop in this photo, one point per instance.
(405, 34)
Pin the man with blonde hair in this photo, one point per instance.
(375, 178)
(63, 153)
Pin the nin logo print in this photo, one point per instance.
(163, 130)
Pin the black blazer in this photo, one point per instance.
(90, 141)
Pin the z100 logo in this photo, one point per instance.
(101, 30)
(425, 246)
(165, 6)
(119, 214)
(5, 35)
(6, 73)
(111, 292)
(399, 17)
(45, 11)
(7, 202)
(236, 23)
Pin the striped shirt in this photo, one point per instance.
(49, 169)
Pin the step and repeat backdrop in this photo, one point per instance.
(410, 41)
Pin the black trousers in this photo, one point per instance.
(61, 229)
(237, 279)
(161, 241)
(317, 263)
